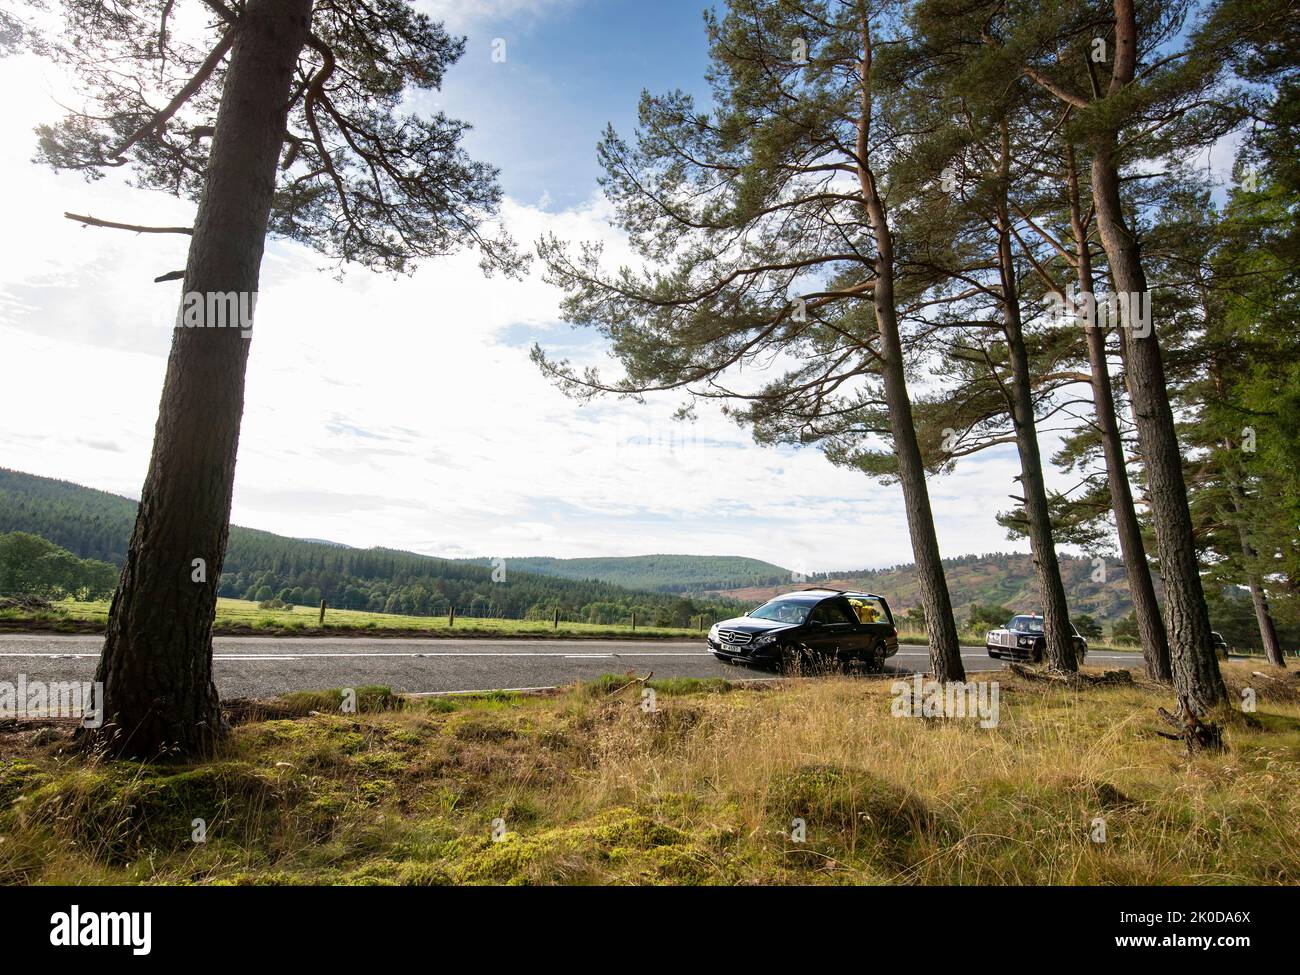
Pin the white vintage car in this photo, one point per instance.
(1023, 637)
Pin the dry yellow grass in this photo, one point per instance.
(592, 789)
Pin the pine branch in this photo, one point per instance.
(90, 221)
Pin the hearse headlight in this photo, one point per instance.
(713, 632)
(764, 639)
(1025, 641)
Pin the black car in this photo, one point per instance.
(810, 629)
(1221, 647)
(1023, 636)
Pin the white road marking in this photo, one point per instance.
(448, 653)
(53, 656)
(486, 653)
(978, 654)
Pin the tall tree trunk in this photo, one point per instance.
(1151, 628)
(941, 627)
(1264, 618)
(1193, 663)
(1194, 667)
(1056, 611)
(1267, 630)
(156, 666)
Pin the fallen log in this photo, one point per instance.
(1290, 679)
(1071, 680)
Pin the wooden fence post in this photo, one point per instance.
(634, 619)
(322, 612)
(451, 617)
(556, 624)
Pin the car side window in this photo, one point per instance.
(832, 611)
(869, 609)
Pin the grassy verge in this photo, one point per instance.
(590, 788)
(238, 617)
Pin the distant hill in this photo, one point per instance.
(661, 589)
(1003, 579)
(661, 573)
(259, 565)
(92, 524)
(97, 525)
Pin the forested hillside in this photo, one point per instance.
(1008, 579)
(998, 578)
(260, 565)
(93, 524)
(663, 573)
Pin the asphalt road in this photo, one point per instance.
(265, 666)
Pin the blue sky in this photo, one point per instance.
(570, 69)
(405, 412)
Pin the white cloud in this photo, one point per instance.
(406, 412)
(461, 16)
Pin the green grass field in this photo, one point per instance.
(239, 616)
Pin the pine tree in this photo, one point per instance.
(767, 231)
(285, 119)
